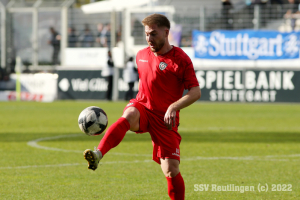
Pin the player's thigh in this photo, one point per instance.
(132, 115)
(169, 166)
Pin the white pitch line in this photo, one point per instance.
(34, 143)
(75, 164)
(38, 166)
(230, 128)
(138, 161)
(234, 158)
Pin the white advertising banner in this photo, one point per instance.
(92, 57)
(34, 87)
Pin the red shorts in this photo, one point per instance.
(165, 142)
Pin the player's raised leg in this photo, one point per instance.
(113, 136)
(116, 132)
(176, 187)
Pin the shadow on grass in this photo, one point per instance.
(246, 137)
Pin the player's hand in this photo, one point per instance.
(170, 118)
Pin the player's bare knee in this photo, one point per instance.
(170, 167)
(171, 172)
(132, 115)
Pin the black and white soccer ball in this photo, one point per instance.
(92, 121)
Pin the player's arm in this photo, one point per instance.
(191, 96)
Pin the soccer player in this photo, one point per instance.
(164, 72)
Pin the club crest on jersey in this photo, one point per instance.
(162, 65)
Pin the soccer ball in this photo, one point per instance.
(92, 121)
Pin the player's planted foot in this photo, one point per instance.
(93, 158)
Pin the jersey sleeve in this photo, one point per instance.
(189, 76)
(136, 59)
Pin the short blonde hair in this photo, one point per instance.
(158, 19)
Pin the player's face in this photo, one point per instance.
(156, 37)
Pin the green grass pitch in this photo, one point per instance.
(222, 144)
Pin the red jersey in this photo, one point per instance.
(163, 78)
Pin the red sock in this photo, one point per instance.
(114, 135)
(176, 187)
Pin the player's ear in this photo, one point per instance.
(167, 31)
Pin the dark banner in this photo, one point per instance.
(249, 85)
(81, 85)
(123, 87)
(216, 85)
(88, 84)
